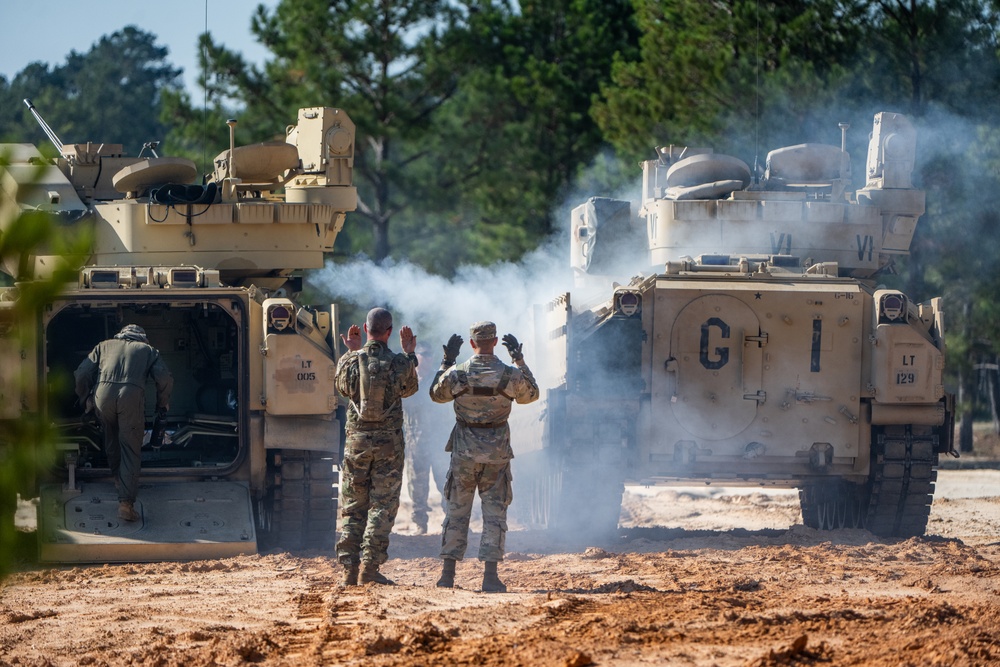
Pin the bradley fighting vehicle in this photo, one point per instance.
(756, 347)
(247, 453)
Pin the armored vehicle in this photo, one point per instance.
(756, 345)
(210, 267)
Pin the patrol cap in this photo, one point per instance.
(483, 331)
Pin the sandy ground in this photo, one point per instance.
(696, 576)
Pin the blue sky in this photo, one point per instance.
(47, 30)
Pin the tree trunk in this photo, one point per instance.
(966, 386)
(993, 387)
(966, 393)
(381, 240)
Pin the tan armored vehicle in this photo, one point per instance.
(209, 268)
(756, 347)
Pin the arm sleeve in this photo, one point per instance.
(347, 379)
(527, 387)
(408, 378)
(441, 388)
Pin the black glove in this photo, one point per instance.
(162, 413)
(513, 347)
(451, 350)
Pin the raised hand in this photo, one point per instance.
(353, 338)
(407, 340)
(513, 347)
(452, 349)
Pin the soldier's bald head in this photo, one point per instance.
(378, 322)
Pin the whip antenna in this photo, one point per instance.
(49, 132)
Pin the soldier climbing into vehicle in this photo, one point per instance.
(113, 376)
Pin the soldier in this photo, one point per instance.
(425, 429)
(374, 379)
(114, 376)
(483, 389)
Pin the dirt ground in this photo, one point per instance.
(696, 576)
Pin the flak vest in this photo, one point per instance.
(463, 375)
(373, 376)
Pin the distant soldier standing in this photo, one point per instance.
(116, 371)
(483, 389)
(374, 379)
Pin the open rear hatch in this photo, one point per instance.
(194, 498)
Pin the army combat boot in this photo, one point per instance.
(126, 511)
(371, 575)
(491, 582)
(350, 574)
(447, 579)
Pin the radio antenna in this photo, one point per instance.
(49, 132)
(204, 91)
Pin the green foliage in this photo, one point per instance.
(26, 441)
(940, 53)
(737, 75)
(105, 94)
(508, 145)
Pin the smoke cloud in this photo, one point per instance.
(436, 307)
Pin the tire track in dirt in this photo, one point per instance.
(325, 618)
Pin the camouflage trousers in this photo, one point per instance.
(371, 478)
(493, 481)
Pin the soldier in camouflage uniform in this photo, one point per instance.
(483, 389)
(374, 379)
(116, 371)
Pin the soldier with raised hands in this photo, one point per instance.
(483, 389)
(375, 380)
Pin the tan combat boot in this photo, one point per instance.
(126, 511)
(491, 582)
(447, 579)
(350, 574)
(371, 575)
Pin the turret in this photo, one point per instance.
(265, 211)
(696, 203)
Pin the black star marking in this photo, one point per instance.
(757, 296)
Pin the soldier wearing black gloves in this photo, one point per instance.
(483, 389)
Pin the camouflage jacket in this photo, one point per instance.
(121, 361)
(483, 389)
(396, 381)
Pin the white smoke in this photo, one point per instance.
(436, 307)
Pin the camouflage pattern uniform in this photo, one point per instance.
(116, 372)
(483, 389)
(372, 472)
